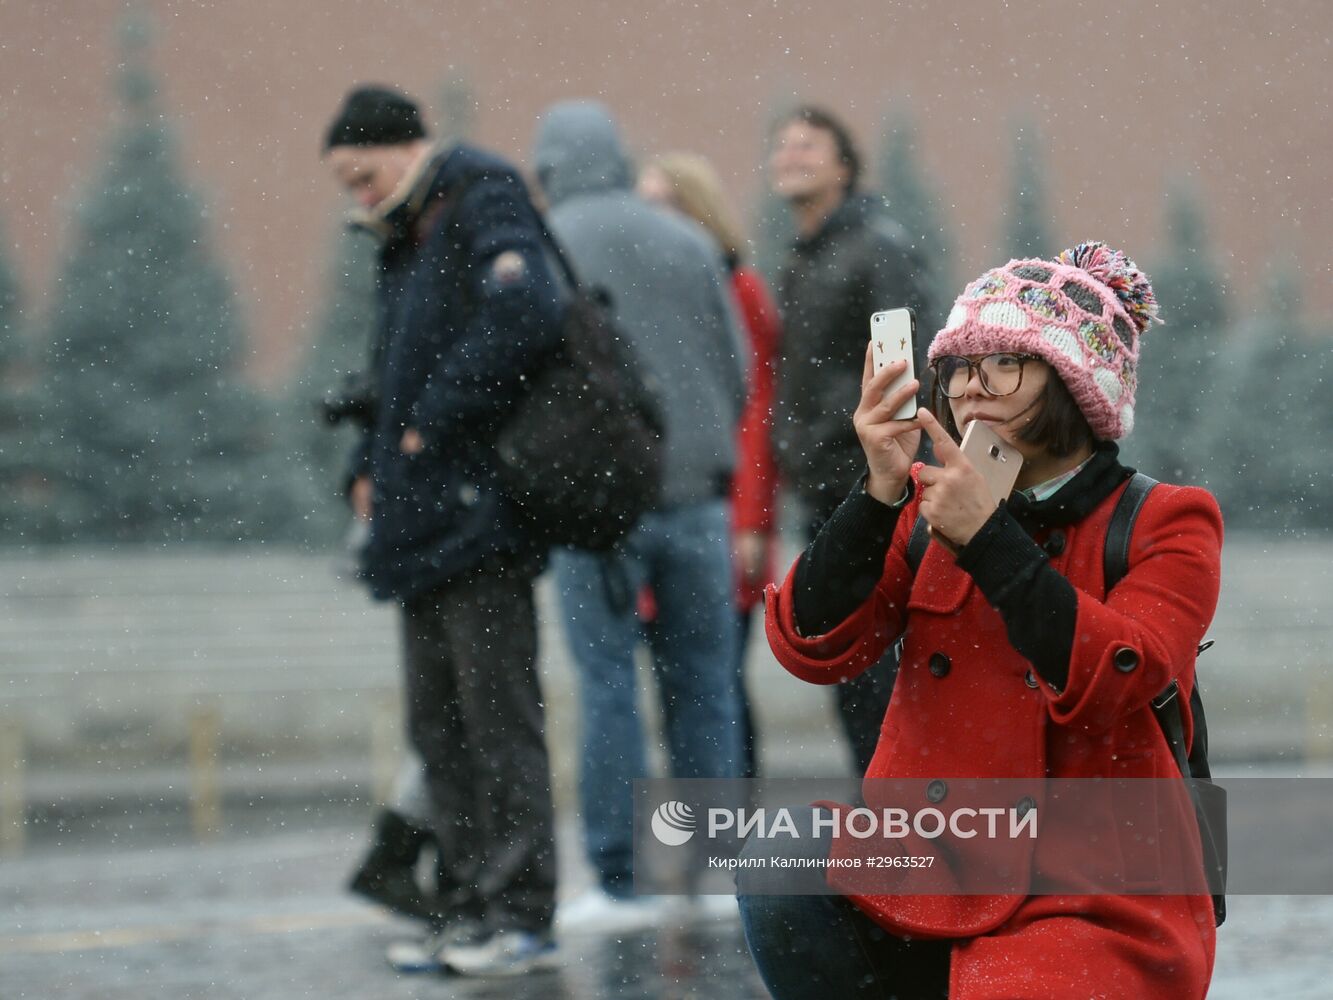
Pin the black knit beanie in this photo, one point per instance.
(375, 116)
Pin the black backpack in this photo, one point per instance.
(1210, 800)
(581, 455)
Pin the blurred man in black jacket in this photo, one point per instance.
(850, 260)
(469, 310)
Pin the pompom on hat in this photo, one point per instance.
(1082, 313)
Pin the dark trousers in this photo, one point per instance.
(820, 947)
(749, 735)
(862, 702)
(474, 714)
(815, 945)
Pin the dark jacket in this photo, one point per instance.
(859, 263)
(668, 291)
(468, 308)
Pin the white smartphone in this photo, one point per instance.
(892, 336)
(998, 461)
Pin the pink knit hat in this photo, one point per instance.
(1082, 313)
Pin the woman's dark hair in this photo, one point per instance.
(817, 117)
(1058, 425)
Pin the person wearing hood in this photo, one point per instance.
(849, 260)
(468, 308)
(668, 292)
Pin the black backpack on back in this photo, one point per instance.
(581, 455)
(1210, 800)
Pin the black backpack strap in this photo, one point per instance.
(917, 544)
(1166, 706)
(1209, 799)
(1115, 558)
(1115, 564)
(561, 257)
(451, 199)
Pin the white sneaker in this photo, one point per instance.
(715, 906)
(700, 908)
(504, 953)
(597, 910)
(425, 955)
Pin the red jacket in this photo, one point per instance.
(989, 715)
(755, 484)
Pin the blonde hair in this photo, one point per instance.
(697, 191)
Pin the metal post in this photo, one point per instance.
(386, 749)
(1319, 719)
(13, 807)
(205, 789)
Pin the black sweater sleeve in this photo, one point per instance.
(839, 569)
(1038, 605)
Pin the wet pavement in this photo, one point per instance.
(127, 912)
(128, 908)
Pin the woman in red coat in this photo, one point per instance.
(1017, 662)
(688, 184)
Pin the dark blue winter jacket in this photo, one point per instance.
(469, 307)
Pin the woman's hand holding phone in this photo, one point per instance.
(890, 445)
(955, 498)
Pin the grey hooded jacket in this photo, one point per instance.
(667, 287)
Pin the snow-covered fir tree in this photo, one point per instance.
(23, 488)
(1026, 230)
(1176, 396)
(157, 435)
(335, 367)
(912, 203)
(1264, 460)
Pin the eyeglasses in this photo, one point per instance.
(1001, 374)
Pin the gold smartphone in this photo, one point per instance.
(998, 461)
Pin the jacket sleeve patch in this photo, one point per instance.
(508, 270)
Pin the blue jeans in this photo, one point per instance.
(819, 946)
(684, 554)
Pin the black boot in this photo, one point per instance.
(387, 874)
